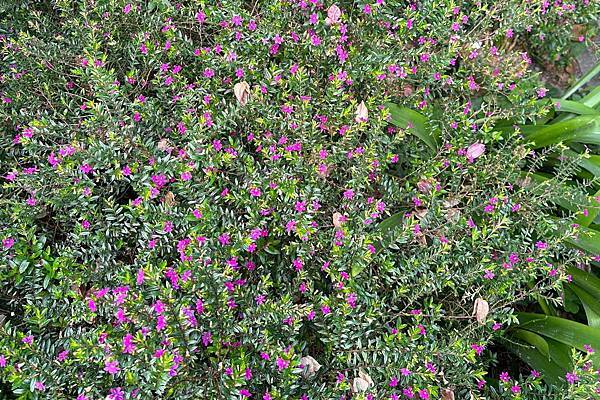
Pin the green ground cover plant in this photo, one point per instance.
(280, 199)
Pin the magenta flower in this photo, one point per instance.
(571, 378)
(28, 339)
(112, 367)
(504, 376)
(282, 364)
(8, 243)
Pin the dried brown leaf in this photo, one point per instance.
(333, 15)
(362, 114)
(481, 309)
(242, 92)
(337, 220)
(170, 199)
(447, 394)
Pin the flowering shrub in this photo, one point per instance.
(208, 200)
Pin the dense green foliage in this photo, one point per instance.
(207, 200)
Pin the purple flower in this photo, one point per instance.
(8, 243)
(504, 376)
(571, 378)
(282, 364)
(116, 394)
(112, 367)
(27, 339)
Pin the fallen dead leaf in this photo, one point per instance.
(362, 382)
(447, 394)
(337, 220)
(481, 309)
(362, 114)
(170, 199)
(310, 366)
(333, 15)
(242, 92)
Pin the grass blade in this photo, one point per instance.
(582, 81)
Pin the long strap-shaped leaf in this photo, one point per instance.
(590, 305)
(582, 129)
(562, 330)
(536, 352)
(592, 99)
(574, 107)
(587, 281)
(583, 80)
(588, 240)
(404, 117)
(591, 162)
(571, 203)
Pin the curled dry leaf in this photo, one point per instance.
(359, 385)
(242, 92)
(425, 185)
(407, 90)
(362, 114)
(362, 382)
(333, 15)
(481, 310)
(310, 366)
(453, 214)
(450, 202)
(524, 182)
(447, 394)
(337, 220)
(170, 199)
(475, 150)
(421, 213)
(362, 374)
(164, 145)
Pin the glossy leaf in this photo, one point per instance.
(404, 118)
